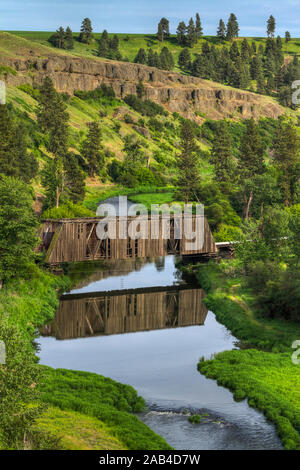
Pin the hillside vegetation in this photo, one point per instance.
(130, 44)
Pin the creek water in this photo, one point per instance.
(151, 336)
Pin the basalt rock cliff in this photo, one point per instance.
(189, 96)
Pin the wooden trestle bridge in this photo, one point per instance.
(70, 240)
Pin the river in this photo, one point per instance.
(140, 323)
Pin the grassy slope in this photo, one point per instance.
(110, 402)
(130, 48)
(76, 431)
(269, 380)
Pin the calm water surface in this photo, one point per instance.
(153, 341)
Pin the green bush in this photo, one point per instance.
(195, 419)
(145, 107)
(68, 210)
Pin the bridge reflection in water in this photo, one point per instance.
(120, 312)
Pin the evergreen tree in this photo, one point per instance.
(140, 90)
(103, 47)
(221, 32)
(251, 162)
(198, 66)
(114, 43)
(20, 404)
(221, 154)
(191, 36)
(86, 31)
(163, 31)
(234, 51)
(232, 28)
(17, 231)
(141, 57)
(184, 60)
(286, 157)
(271, 26)
(166, 59)
(245, 51)
(15, 160)
(256, 67)
(92, 149)
(260, 84)
(188, 179)
(74, 180)
(251, 151)
(53, 120)
(270, 86)
(58, 38)
(253, 48)
(244, 74)
(156, 60)
(151, 58)
(198, 27)
(69, 41)
(287, 37)
(181, 33)
(160, 33)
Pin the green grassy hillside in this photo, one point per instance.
(130, 44)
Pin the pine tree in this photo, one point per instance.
(251, 162)
(140, 90)
(58, 38)
(198, 27)
(114, 43)
(270, 87)
(160, 33)
(191, 37)
(17, 237)
(86, 31)
(92, 149)
(15, 160)
(53, 120)
(232, 28)
(141, 57)
(221, 32)
(188, 179)
(151, 60)
(256, 67)
(74, 179)
(271, 26)
(253, 48)
(103, 48)
(234, 51)
(287, 37)
(163, 31)
(260, 84)
(184, 60)
(156, 60)
(251, 151)
(221, 154)
(245, 50)
(286, 157)
(69, 41)
(181, 33)
(244, 74)
(166, 59)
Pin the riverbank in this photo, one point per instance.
(264, 374)
(82, 410)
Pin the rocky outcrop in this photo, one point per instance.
(190, 96)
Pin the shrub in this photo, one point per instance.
(195, 419)
(144, 107)
(68, 210)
